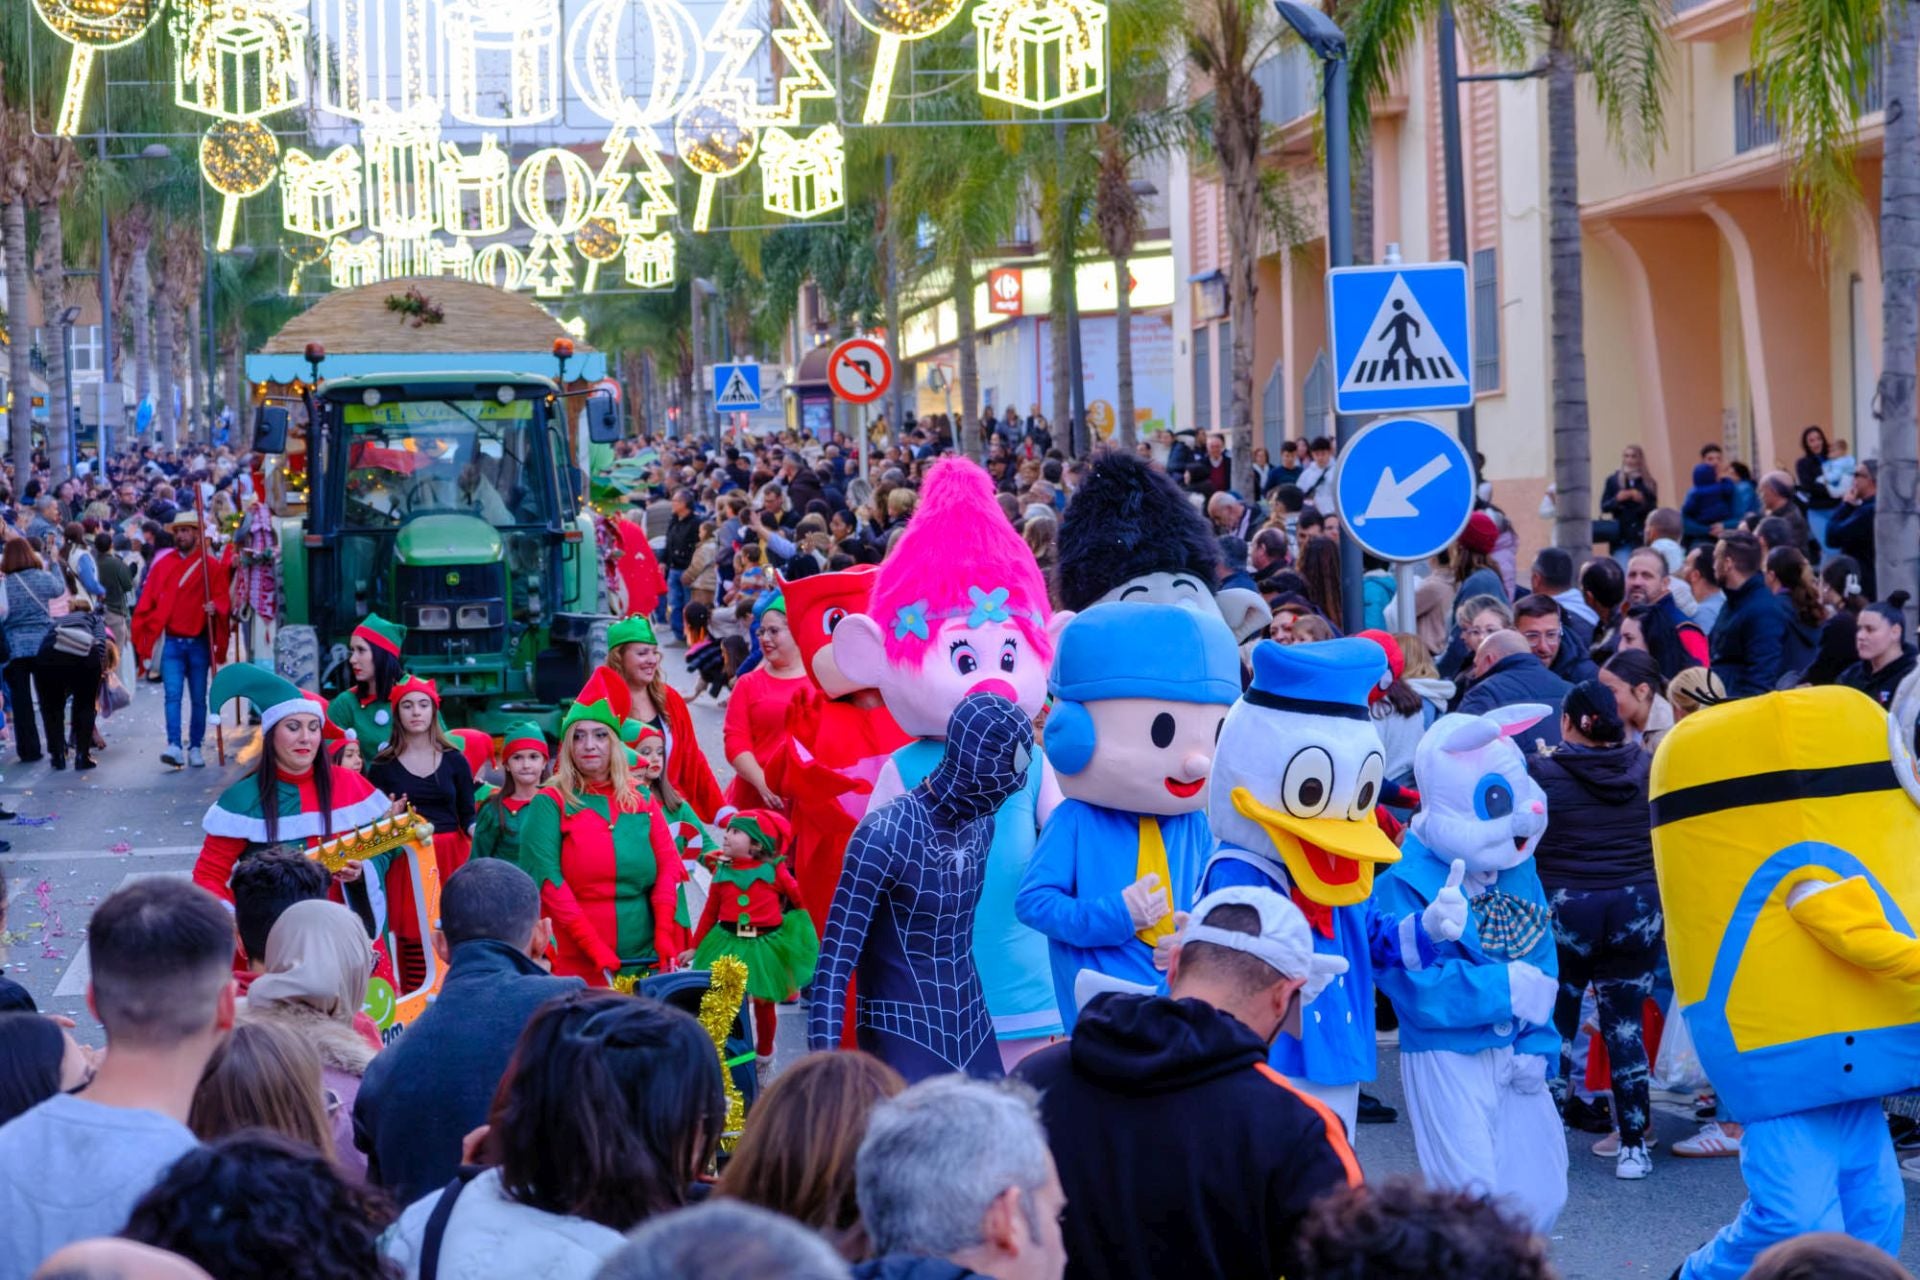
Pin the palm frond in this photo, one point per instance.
(1812, 60)
(1623, 43)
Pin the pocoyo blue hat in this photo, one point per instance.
(1164, 651)
(1325, 678)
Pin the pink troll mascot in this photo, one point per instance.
(961, 606)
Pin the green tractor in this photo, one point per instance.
(449, 502)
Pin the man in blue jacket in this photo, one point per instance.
(1749, 638)
(432, 1086)
(1506, 674)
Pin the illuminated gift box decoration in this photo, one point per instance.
(320, 197)
(803, 177)
(403, 256)
(451, 258)
(354, 263)
(503, 60)
(242, 59)
(1040, 53)
(473, 190)
(372, 52)
(401, 151)
(650, 260)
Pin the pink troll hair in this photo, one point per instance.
(958, 539)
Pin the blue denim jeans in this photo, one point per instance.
(676, 603)
(183, 664)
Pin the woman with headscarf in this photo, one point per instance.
(318, 962)
(633, 662)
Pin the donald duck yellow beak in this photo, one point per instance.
(1331, 860)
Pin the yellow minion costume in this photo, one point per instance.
(1784, 829)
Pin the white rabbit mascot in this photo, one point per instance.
(1476, 1026)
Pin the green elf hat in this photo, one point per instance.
(381, 634)
(604, 699)
(275, 698)
(525, 737)
(767, 829)
(635, 630)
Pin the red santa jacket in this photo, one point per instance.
(173, 602)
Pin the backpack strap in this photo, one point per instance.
(437, 1223)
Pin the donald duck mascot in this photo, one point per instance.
(1296, 775)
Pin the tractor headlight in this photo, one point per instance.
(473, 617)
(434, 617)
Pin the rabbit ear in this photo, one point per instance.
(1466, 733)
(1517, 719)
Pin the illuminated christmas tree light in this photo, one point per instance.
(238, 159)
(372, 52)
(90, 26)
(896, 22)
(320, 198)
(530, 183)
(716, 141)
(241, 59)
(803, 77)
(401, 150)
(499, 265)
(503, 60)
(803, 177)
(633, 184)
(650, 260)
(599, 240)
(612, 40)
(1040, 53)
(473, 190)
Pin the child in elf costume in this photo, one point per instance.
(690, 835)
(754, 914)
(961, 607)
(496, 832)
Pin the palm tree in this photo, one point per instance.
(15, 188)
(54, 170)
(1813, 59)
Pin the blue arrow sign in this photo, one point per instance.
(736, 387)
(1402, 337)
(1404, 488)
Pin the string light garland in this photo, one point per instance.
(803, 177)
(238, 158)
(401, 150)
(612, 40)
(802, 78)
(473, 190)
(650, 260)
(503, 60)
(716, 141)
(241, 59)
(1040, 53)
(896, 22)
(320, 198)
(372, 52)
(90, 26)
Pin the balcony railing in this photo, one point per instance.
(1754, 126)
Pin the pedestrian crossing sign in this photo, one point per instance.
(736, 387)
(1401, 337)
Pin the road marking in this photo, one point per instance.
(73, 983)
(21, 858)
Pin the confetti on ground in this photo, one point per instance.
(45, 821)
(120, 847)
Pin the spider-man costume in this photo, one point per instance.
(902, 917)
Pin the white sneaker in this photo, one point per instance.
(172, 756)
(195, 758)
(1712, 1141)
(1633, 1164)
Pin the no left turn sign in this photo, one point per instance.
(859, 371)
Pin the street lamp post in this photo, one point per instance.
(1329, 44)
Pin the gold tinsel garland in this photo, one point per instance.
(718, 1009)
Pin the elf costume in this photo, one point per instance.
(496, 831)
(476, 747)
(687, 767)
(690, 835)
(236, 826)
(369, 720)
(608, 871)
(765, 927)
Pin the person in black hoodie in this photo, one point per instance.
(1596, 864)
(1180, 1150)
(1880, 638)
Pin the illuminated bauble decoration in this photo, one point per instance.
(372, 52)
(716, 141)
(401, 151)
(896, 22)
(1040, 53)
(531, 182)
(241, 59)
(635, 60)
(599, 240)
(473, 190)
(650, 260)
(238, 158)
(320, 197)
(503, 60)
(90, 26)
(499, 265)
(302, 252)
(803, 177)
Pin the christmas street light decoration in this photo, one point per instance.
(503, 60)
(896, 22)
(354, 263)
(633, 184)
(612, 40)
(499, 265)
(90, 26)
(803, 77)
(302, 252)
(715, 140)
(599, 240)
(320, 197)
(1040, 53)
(803, 177)
(451, 258)
(403, 256)
(473, 190)
(401, 150)
(372, 52)
(241, 59)
(650, 260)
(238, 159)
(530, 184)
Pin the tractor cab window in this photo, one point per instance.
(411, 458)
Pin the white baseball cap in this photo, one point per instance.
(1284, 942)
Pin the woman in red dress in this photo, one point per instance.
(759, 711)
(633, 654)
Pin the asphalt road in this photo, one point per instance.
(80, 836)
